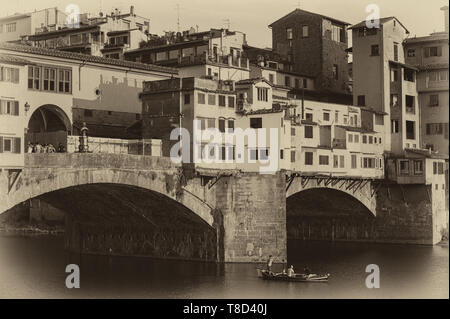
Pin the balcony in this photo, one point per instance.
(339, 143)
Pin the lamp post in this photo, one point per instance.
(84, 147)
(27, 107)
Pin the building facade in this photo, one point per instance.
(430, 55)
(108, 35)
(311, 137)
(217, 53)
(316, 45)
(15, 27)
(48, 94)
(383, 82)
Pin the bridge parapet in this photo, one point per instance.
(98, 160)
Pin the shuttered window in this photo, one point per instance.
(9, 107)
(10, 145)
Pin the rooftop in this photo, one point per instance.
(382, 21)
(297, 11)
(85, 58)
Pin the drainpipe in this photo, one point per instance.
(79, 74)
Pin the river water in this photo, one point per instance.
(34, 267)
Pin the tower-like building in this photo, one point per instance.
(384, 82)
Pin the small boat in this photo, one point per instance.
(265, 274)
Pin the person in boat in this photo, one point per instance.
(269, 264)
(306, 271)
(290, 271)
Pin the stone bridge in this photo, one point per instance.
(143, 205)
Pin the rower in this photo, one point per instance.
(269, 263)
(290, 271)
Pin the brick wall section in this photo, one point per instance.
(254, 215)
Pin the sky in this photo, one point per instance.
(252, 17)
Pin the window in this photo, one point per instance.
(256, 122)
(264, 154)
(335, 161)
(201, 98)
(350, 138)
(271, 78)
(231, 102)
(289, 35)
(411, 53)
(434, 100)
(368, 162)
(287, 81)
(326, 116)
(222, 125)
(433, 51)
(230, 126)
(323, 160)
(10, 145)
(65, 81)
(435, 168)
(394, 100)
(305, 31)
(364, 139)
(418, 167)
(410, 130)
(361, 100)
(375, 50)
(211, 99)
(292, 131)
(9, 107)
(441, 168)
(395, 51)
(281, 154)
(187, 99)
(337, 33)
(354, 162)
(341, 161)
(335, 72)
(395, 126)
(356, 136)
(408, 75)
(292, 156)
(308, 131)
(434, 128)
(409, 103)
(9, 75)
(308, 158)
(253, 154)
(263, 94)
(49, 80)
(394, 75)
(11, 27)
(34, 77)
(336, 117)
(305, 84)
(370, 139)
(404, 167)
(222, 100)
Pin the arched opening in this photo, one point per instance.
(124, 220)
(48, 124)
(327, 214)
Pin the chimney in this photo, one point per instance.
(445, 9)
(132, 10)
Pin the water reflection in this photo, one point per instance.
(33, 267)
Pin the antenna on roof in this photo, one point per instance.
(227, 23)
(178, 17)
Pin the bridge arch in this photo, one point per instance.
(359, 189)
(63, 171)
(49, 118)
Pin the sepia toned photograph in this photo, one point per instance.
(204, 150)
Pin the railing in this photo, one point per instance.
(116, 146)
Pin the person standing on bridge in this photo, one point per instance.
(269, 263)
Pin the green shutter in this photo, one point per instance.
(17, 145)
(16, 108)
